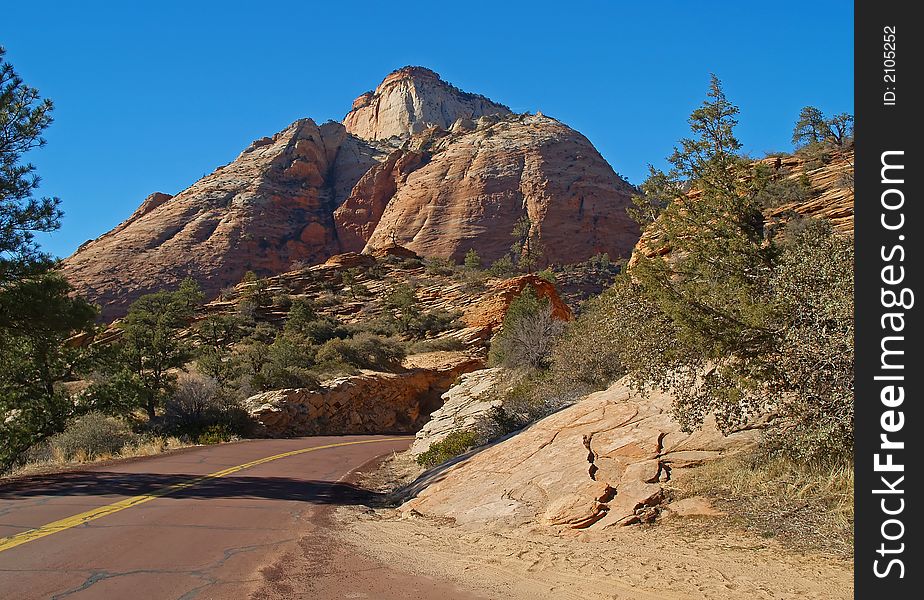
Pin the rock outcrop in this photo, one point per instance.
(271, 207)
(475, 185)
(411, 100)
(599, 463)
(417, 163)
(832, 190)
(461, 406)
(370, 402)
(831, 198)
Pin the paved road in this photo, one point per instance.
(213, 522)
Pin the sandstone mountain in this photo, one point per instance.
(465, 188)
(411, 100)
(417, 162)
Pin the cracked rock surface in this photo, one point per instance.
(599, 463)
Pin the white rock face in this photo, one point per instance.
(411, 100)
(462, 404)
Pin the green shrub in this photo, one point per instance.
(91, 436)
(502, 267)
(457, 442)
(440, 266)
(443, 344)
(548, 275)
(472, 260)
(199, 403)
(434, 322)
(216, 434)
(282, 301)
(286, 363)
(363, 351)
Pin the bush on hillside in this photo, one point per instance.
(91, 436)
(527, 335)
(199, 404)
(457, 442)
(363, 351)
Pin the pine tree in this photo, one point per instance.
(37, 310)
(713, 285)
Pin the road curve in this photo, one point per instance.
(209, 522)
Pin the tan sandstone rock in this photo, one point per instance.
(371, 402)
(410, 100)
(271, 207)
(476, 185)
(598, 463)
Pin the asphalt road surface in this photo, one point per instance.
(242, 520)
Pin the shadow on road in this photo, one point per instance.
(129, 484)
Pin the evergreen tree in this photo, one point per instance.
(472, 260)
(150, 347)
(812, 128)
(713, 287)
(23, 117)
(38, 313)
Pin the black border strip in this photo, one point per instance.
(889, 228)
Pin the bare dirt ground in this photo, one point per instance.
(679, 558)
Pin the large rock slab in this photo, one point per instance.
(598, 463)
(462, 405)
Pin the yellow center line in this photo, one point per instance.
(97, 513)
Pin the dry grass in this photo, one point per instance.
(808, 507)
(55, 460)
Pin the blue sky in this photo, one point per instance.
(151, 96)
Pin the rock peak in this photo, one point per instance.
(412, 99)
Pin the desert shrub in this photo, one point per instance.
(301, 313)
(350, 279)
(363, 351)
(434, 322)
(360, 289)
(502, 267)
(812, 290)
(91, 436)
(548, 275)
(216, 434)
(199, 403)
(587, 356)
(324, 329)
(457, 442)
(282, 301)
(778, 190)
(440, 266)
(255, 289)
(411, 263)
(527, 334)
(376, 271)
(600, 262)
(383, 325)
(443, 344)
(286, 363)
